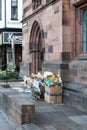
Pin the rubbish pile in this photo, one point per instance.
(36, 83)
(53, 88)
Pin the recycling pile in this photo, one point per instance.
(35, 85)
(38, 84)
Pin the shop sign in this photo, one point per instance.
(8, 37)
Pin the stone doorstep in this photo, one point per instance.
(18, 111)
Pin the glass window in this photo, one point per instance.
(47, 1)
(84, 30)
(14, 2)
(36, 3)
(0, 9)
(14, 9)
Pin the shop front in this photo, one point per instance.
(11, 50)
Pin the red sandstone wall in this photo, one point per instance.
(64, 35)
(51, 23)
(78, 66)
(77, 2)
(66, 26)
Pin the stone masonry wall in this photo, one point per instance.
(48, 19)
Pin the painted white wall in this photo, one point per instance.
(2, 21)
(11, 23)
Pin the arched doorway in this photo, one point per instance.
(36, 48)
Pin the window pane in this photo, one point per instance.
(14, 9)
(14, 13)
(36, 3)
(84, 46)
(48, 1)
(84, 36)
(14, 2)
(84, 25)
(85, 14)
(84, 30)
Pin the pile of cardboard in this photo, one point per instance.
(44, 85)
(35, 84)
(53, 89)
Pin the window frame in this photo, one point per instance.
(14, 6)
(84, 31)
(36, 4)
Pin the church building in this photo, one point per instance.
(55, 39)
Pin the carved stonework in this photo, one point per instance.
(75, 2)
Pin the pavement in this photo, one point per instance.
(50, 117)
(4, 125)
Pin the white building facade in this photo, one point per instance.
(10, 29)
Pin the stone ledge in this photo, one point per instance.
(75, 95)
(76, 88)
(18, 110)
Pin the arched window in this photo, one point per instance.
(36, 3)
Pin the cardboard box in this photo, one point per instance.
(53, 90)
(53, 99)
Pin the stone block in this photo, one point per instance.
(18, 110)
(75, 95)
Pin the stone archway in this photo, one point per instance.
(36, 48)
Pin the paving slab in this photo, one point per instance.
(4, 125)
(82, 119)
